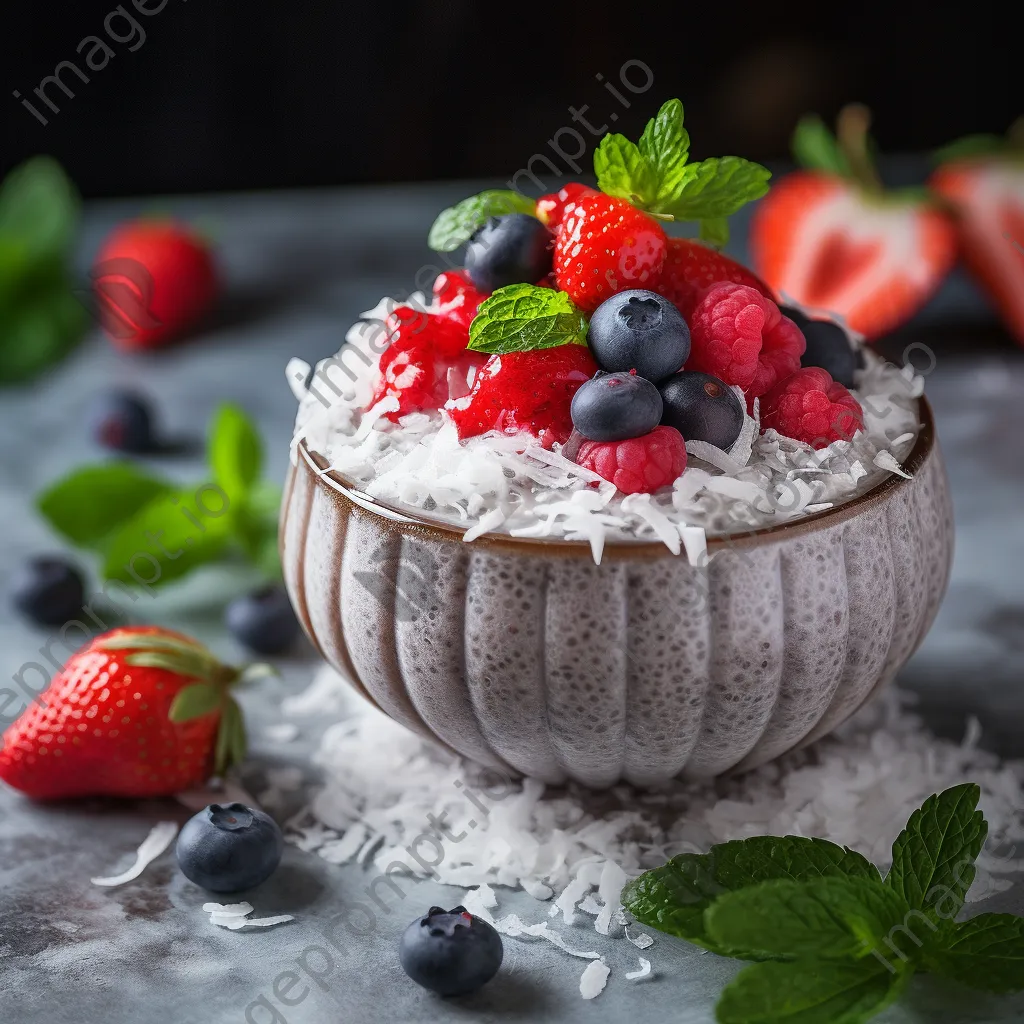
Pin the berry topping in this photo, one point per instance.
(740, 336)
(450, 951)
(828, 346)
(640, 464)
(691, 268)
(121, 420)
(48, 590)
(529, 390)
(616, 406)
(809, 406)
(639, 330)
(702, 408)
(552, 208)
(605, 246)
(229, 847)
(263, 621)
(457, 297)
(414, 367)
(515, 249)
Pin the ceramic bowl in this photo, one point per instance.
(525, 655)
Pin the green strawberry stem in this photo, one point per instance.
(852, 126)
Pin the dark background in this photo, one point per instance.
(225, 94)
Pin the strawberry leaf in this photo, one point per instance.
(195, 701)
(231, 740)
(817, 149)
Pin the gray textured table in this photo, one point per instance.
(299, 269)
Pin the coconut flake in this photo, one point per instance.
(641, 941)
(886, 460)
(282, 732)
(160, 837)
(593, 979)
(714, 456)
(228, 909)
(645, 970)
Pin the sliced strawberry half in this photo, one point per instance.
(831, 239)
(986, 188)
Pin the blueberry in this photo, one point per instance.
(48, 590)
(702, 408)
(229, 847)
(616, 406)
(450, 952)
(263, 621)
(514, 249)
(122, 421)
(827, 347)
(639, 330)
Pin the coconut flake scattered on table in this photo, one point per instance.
(160, 837)
(510, 484)
(235, 916)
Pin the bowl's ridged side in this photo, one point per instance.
(638, 669)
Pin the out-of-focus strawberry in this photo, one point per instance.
(831, 238)
(982, 177)
(153, 281)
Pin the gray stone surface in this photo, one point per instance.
(299, 269)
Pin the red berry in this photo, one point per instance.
(525, 391)
(639, 465)
(605, 246)
(552, 208)
(739, 335)
(414, 367)
(810, 406)
(691, 268)
(458, 298)
(153, 280)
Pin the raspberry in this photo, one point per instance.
(605, 246)
(639, 465)
(739, 335)
(458, 298)
(414, 367)
(810, 406)
(691, 268)
(552, 208)
(525, 391)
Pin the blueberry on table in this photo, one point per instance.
(701, 408)
(122, 421)
(48, 590)
(639, 330)
(515, 249)
(827, 347)
(229, 847)
(450, 951)
(264, 621)
(615, 407)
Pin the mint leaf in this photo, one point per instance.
(88, 504)
(715, 231)
(522, 317)
(160, 543)
(673, 898)
(624, 172)
(454, 226)
(986, 952)
(665, 145)
(808, 992)
(39, 208)
(825, 918)
(235, 451)
(816, 147)
(718, 187)
(933, 857)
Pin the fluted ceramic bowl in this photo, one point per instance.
(525, 655)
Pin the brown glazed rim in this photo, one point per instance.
(346, 491)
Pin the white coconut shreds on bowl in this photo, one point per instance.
(509, 484)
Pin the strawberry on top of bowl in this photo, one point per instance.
(511, 400)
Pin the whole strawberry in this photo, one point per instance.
(605, 246)
(552, 208)
(139, 712)
(832, 239)
(153, 281)
(692, 267)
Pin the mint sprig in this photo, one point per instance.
(456, 225)
(833, 942)
(134, 520)
(523, 317)
(655, 175)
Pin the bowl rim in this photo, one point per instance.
(347, 491)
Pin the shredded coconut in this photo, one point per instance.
(643, 972)
(594, 979)
(497, 482)
(235, 917)
(160, 837)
